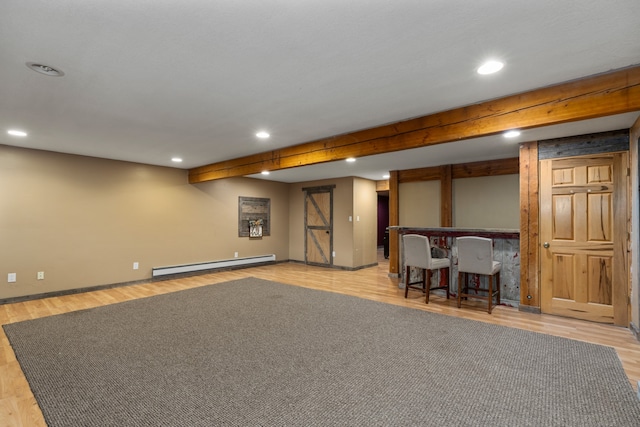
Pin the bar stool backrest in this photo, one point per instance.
(417, 251)
(475, 255)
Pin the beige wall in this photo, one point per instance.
(487, 202)
(342, 228)
(365, 224)
(419, 204)
(354, 242)
(484, 202)
(85, 221)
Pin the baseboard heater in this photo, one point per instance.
(211, 265)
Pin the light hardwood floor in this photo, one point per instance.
(19, 408)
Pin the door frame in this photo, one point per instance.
(530, 154)
(617, 312)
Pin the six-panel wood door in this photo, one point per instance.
(318, 227)
(583, 232)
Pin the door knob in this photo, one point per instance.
(546, 245)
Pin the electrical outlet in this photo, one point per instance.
(235, 254)
(40, 275)
(136, 265)
(11, 277)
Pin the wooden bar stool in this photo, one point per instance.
(475, 256)
(417, 254)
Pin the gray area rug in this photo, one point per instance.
(257, 353)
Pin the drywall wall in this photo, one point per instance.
(482, 202)
(365, 225)
(84, 221)
(419, 204)
(354, 221)
(342, 227)
(487, 202)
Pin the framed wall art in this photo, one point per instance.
(254, 217)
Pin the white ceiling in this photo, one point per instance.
(146, 80)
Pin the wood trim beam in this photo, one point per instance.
(446, 196)
(508, 166)
(633, 244)
(394, 219)
(420, 174)
(529, 219)
(597, 96)
(382, 185)
(621, 228)
(580, 145)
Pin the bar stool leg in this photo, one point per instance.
(460, 289)
(448, 273)
(406, 281)
(490, 292)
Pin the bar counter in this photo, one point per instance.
(506, 249)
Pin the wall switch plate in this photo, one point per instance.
(136, 265)
(350, 218)
(40, 275)
(11, 277)
(334, 254)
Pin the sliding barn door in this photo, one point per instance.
(583, 231)
(319, 226)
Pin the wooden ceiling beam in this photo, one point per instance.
(606, 94)
(462, 170)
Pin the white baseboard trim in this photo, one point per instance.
(211, 265)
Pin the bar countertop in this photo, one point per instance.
(505, 233)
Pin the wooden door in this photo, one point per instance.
(319, 226)
(583, 233)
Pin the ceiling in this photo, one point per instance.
(145, 81)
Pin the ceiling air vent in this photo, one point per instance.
(45, 69)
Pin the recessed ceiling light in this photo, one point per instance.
(262, 135)
(490, 67)
(45, 69)
(265, 172)
(386, 176)
(351, 160)
(511, 134)
(176, 159)
(16, 132)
